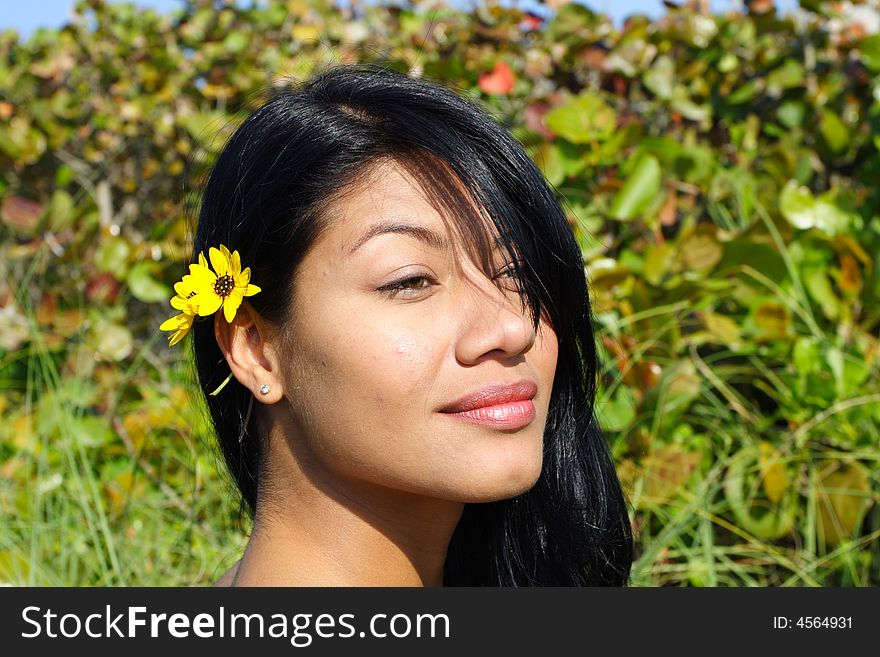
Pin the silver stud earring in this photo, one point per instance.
(264, 389)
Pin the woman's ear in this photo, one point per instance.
(253, 360)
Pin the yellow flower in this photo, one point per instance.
(186, 292)
(203, 292)
(225, 287)
(180, 324)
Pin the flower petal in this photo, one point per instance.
(236, 296)
(203, 261)
(252, 290)
(201, 275)
(235, 263)
(230, 306)
(171, 324)
(202, 289)
(243, 278)
(207, 303)
(186, 284)
(228, 256)
(185, 305)
(179, 335)
(219, 261)
(181, 322)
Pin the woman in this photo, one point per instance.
(412, 389)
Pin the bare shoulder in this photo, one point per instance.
(229, 576)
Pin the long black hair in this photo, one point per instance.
(266, 196)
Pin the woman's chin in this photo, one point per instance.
(496, 485)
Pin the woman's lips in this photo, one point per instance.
(510, 415)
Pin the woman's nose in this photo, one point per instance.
(492, 318)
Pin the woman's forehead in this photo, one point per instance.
(390, 201)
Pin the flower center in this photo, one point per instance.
(223, 286)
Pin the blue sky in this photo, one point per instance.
(27, 16)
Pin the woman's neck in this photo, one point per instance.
(313, 529)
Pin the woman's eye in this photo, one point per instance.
(410, 287)
(508, 272)
(411, 284)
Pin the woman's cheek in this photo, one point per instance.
(404, 353)
(399, 369)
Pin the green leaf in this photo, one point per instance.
(618, 413)
(144, 287)
(690, 110)
(89, 430)
(640, 190)
(236, 42)
(870, 49)
(692, 163)
(203, 126)
(549, 157)
(583, 120)
(682, 387)
(774, 478)
(570, 23)
(834, 131)
(64, 176)
(820, 7)
(803, 211)
(843, 496)
(834, 356)
(853, 375)
(659, 262)
(666, 469)
(764, 519)
(805, 354)
(114, 342)
(797, 205)
(791, 113)
(701, 251)
(746, 91)
(787, 76)
(112, 256)
(728, 62)
(660, 78)
(819, 286)
(770, 321)
(722, 329)
(60, 210)
(570, 157)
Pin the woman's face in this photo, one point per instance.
(388, 331)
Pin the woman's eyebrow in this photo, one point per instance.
(430, 237)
